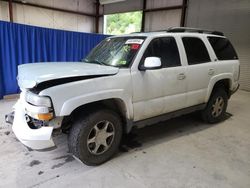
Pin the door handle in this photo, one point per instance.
(181, 76)
(211, 71)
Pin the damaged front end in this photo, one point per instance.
(33, 121)
(9, 118)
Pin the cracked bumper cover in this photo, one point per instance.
(37, 139)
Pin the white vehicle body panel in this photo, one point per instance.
(145, 94)
(33, 138)
(91, 90)
(157, 92)
(32, 74)
(199, 76)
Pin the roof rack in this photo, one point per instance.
(195, 30)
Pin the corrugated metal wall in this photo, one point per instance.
(233, 18)
(164, 19)
(124, 6)
(53, 19)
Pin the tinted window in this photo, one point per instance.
(166, 49)
(196, 50)
(222, 48)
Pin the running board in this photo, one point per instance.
(167, 116)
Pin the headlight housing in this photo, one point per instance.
(38, 107)
(38, 100)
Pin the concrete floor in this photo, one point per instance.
(183, 152)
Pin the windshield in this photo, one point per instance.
(118, 52)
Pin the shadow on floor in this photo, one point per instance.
(165, 131)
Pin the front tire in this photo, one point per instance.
(216, 107)
(96, 137)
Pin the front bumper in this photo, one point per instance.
(37, 139)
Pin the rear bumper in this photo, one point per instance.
(37, 139)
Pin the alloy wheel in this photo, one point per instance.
(100, 137)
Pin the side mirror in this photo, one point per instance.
(151, 63)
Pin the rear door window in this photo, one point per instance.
(222, 48)
(196, 50)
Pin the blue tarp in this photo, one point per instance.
(21, 44)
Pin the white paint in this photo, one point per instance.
(82, 92)
(34, 73)
(33, 138)
(144, 94)
(152, 62)
(158, 91)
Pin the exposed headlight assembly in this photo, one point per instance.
(38, 107)
(38, 100)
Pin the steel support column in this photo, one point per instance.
(97, 15)
(143, 15)
(10, 10)
(183, 12)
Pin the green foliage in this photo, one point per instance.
(123, 23)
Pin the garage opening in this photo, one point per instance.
(122, 23)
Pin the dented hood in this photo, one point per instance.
(29, 75)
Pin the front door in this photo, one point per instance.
(163, 90)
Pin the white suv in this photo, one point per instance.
(126, 81)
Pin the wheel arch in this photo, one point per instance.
(225, 82)
(115, 104)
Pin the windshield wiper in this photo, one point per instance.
(95, 62)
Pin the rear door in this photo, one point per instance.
(200, 69)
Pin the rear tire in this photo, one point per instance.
(95, 137)
(216, 107)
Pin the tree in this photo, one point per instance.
(123, 23)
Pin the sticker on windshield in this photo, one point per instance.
(135, 46)
(134, 41)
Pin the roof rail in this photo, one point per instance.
(148, 31)
(189, 29)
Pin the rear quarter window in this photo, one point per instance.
(222, 48)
